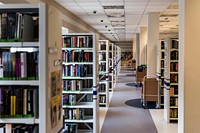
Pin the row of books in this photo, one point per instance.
(173, 78)
(77, 41)
(174, 55)
(102, 99)
(74, 114)
(162, 64)
(162, 45)
(76, 85)
(102, 46)
(102, 88)
(18, 102)
(102, 56)
(102, 77)
(174, 44)
(173, 113)
(102, 67)
(174, 101)
(173, 90)
(77, 70)
(16, 66)
(162, 55)
(19, 128)
(174, 66)
(162, 72)
(18, 27)
(73, 99)
(69, 100)
(77, 56)
(70, 128)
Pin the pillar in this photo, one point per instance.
(189, 66)
(153, 37)
(143, 42)
(137, 49)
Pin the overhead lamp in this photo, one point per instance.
(1, 3)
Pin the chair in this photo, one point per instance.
(149, 90)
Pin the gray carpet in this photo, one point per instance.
(122, 118)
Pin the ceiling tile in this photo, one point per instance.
(130, 3)
(110, 3)
(159, 3)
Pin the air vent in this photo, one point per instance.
(114, 7)
(168, 15)
(162, 21)
(116, 16)
(116, 21)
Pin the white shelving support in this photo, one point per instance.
(104, 73)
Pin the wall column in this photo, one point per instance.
(137, 49)
(143, 42)
(153, 37)
(134, 48)
(189, 66)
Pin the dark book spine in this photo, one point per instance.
(30, 101)
(1, 102)
(13, 65)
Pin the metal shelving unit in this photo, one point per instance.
(103, 73)
(81, 90)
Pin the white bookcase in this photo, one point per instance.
(171, 80)
(103, 73)
(111, 65)
(114, 65)
(80, 77)
(26, 75)
(160, 71)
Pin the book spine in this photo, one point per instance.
(25, 102)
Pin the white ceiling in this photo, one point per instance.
(122, 24)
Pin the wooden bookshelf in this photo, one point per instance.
(80, 98)
(171, 84)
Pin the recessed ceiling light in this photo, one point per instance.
(1, 3)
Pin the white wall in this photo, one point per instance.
(189, 98)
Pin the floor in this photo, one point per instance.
(156, 114)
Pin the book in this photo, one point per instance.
(171, 91)
(23, 62)
(27, 28)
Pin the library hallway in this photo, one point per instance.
(121, 118)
